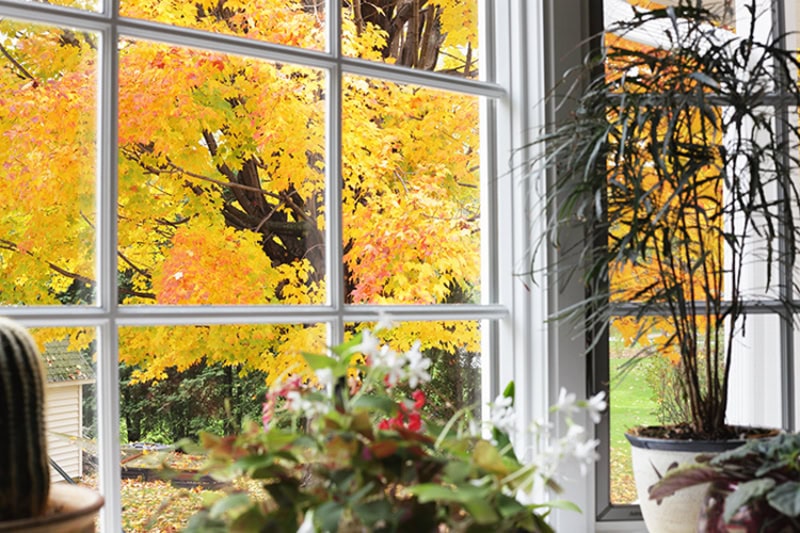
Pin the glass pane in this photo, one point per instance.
(299, 23)
(436, 35)
(411, 198)
(221, 194)
(48, 110)
(454, 349)
(89, 5)
(756, 373)
(640, 394)
(70, 358)
(178, 381)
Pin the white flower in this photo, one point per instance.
(392, 362)
(542, 427)
(575, 434)
(294, 401)
(368, 346)
(418, 366)
(566, 402)
(308, 523)
(297, 404)
(585, 453)
(502, 415)
(384, 321)
(596, 405)
(324, 377)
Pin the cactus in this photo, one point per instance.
(24, 467)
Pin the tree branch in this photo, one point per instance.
(17, 64)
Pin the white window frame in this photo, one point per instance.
(516, 346)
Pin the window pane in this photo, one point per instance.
(640, 394)
(90, 5)
(47, 155)
(298, 23)
(756, 373)
(178, 381)
(221, 194)
(411, 195)
(69, 356)
(436, 35)
(454, 348)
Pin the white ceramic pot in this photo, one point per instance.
(652, 458)
(70, 509)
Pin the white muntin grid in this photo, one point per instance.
(512, 311)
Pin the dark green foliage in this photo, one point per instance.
(24, 467)
(212, 398)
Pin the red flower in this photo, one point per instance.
(414, 422)
(419, 399)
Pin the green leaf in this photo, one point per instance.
(565, 505)
(508, 506)
(745, 493)
(225, 505)
(427, 492)
(327, 516)
(203, 523)
(481, 510)
(370, 513)
(508, 392)
(487, 457)
(375, 403)
(251, 521)
(456, 471)
(786, 498)
(318, 362)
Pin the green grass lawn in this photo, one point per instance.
(632, 404)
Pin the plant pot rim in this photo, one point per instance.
(82, 501)
(695, 445)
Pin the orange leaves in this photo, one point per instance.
(214, 265)
(411, 200)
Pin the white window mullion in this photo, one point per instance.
(333, 166)
(108, 408)
(490, 213)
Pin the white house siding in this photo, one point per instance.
(63, 415)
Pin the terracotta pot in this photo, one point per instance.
(70, 509)
(652, 458)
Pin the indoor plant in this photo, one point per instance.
(678, 168)
(357, 452)
(754, 488)
(27, 501)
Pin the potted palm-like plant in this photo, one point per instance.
(677, 164)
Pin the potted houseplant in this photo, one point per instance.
(355, 451)
(28, 502)
(754, 488)
(676, 165)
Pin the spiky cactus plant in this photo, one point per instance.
(24, 468)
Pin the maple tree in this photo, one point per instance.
(222, 175)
